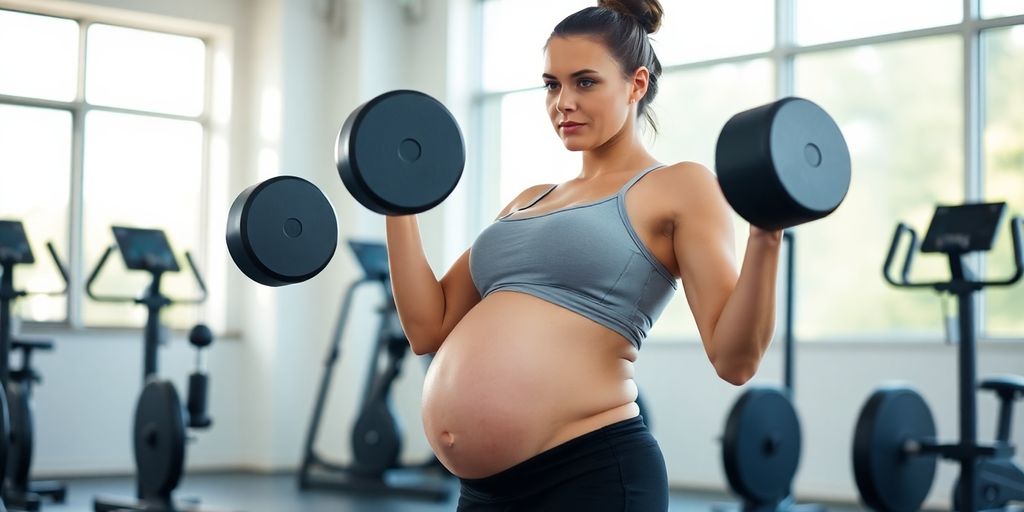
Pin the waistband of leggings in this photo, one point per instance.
(530, 472)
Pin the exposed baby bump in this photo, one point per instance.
(500, 391)
(477, 426)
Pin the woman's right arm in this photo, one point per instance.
(427, 308)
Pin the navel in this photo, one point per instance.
(448, 439)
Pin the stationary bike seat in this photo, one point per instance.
(1006, 386)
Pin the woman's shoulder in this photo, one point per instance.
(680, 177)
(682, 187)
(686, 170)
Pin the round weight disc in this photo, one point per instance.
(783, 164)
(282, 231)
(889, 478)
(400, 153)
(19, 453)
(159, 438)
(376, 439)
(761, 445)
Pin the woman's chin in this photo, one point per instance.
(574, 145)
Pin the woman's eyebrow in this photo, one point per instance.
(574, 75)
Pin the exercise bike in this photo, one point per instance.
(18, 490)
(895, 449)
(376, 436)
(761, 441)
(160, 421)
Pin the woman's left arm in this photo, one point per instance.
(735, 312)
(745, 327)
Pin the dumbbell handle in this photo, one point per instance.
(198, 384)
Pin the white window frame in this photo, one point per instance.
(79, 109)
(783, 55)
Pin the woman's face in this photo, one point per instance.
(589, 101)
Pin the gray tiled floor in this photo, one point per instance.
(279, 493)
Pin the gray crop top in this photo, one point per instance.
(586, 258)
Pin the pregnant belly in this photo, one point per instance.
(518, 376)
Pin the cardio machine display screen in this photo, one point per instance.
(372, 257)
(14, 245)
(145, 249)
(963, 228)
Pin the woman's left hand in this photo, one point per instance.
(756, 232)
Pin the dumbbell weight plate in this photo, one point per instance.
(761, 445)
(159, 438)
(888, 478)
(400, 153)
(282, 231)
(783, 164)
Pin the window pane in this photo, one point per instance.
(1003, 147)
(693, 31)
(529, 151)
(145, 70)
(691, 108)
(821, 21)
(38, 56)
(514, 34)
(35, 163)
(141, 172)
(900, 107)
(999, 8)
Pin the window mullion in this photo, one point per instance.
(76, 256)
(785, 44)
(972, 112)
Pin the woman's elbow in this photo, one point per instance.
(737, 373)
(423, 345)
(421, 341)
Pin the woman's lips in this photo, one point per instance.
(570, 128)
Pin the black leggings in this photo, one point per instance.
(616, 468)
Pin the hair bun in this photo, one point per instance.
(647, 12)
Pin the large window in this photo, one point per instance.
(100, 125)
(926, 92)
(1003, 157)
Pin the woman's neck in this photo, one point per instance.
(623, 152)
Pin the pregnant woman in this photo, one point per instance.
(530, 399)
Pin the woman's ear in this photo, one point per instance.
(638, 84)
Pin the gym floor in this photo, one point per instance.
(251, 492)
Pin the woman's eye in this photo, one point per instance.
(551, 85)
(586, 82)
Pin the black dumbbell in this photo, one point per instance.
(783, 164)
(400, 153)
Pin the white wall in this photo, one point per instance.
(294, 78)
(689, 405)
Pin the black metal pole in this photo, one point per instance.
(788, 363)
(386, 309)
(333, 351)
(154, 302)
(7, 295)
(967, 378)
